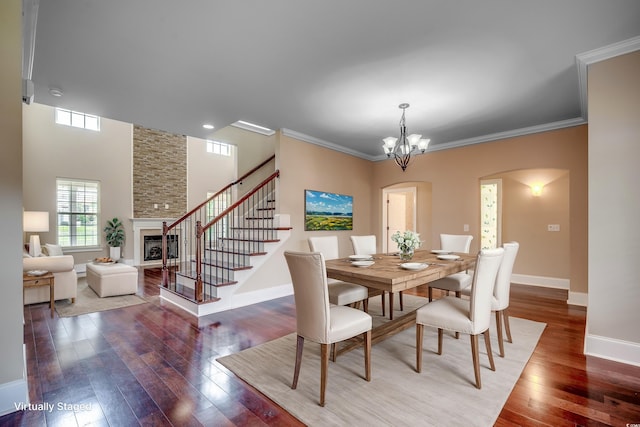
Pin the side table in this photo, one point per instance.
(38, 281)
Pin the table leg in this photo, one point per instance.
(51, 299)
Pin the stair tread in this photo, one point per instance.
(207, 279)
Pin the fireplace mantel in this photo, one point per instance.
(140, 224)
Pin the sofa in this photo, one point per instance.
(65, 278)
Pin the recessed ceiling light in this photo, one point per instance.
(253, 127)
(207, 126)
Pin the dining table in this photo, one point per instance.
(386, 272)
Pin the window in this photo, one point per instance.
(78, 206)
(217, 147)
(77, 119)
(490, 213)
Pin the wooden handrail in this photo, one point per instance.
(239, 202)
(239, 180)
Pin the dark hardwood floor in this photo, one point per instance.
(152, 364)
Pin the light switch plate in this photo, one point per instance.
(553, 227)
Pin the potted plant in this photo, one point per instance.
(115, 237)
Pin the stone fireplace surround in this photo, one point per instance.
(145, 227)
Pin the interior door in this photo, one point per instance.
(398, 214)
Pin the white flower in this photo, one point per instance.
(407, 240)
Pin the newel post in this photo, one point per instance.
(198, 285)
(165, 270)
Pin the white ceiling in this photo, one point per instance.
(331, 71)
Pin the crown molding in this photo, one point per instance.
(583, 60)
(442, 146)
(326, 144)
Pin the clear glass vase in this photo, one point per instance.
(406, 254)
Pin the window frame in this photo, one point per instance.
(69, 241)
(76, 119)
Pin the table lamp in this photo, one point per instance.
(35, 222)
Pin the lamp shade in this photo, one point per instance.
(34, 221)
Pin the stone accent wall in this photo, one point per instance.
(159, 173)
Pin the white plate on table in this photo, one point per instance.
(414, 265)
(362, 263)
(37, 272)
(360, 257)
(440, 251)
(448, 257)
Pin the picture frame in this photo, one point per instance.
(324, 210)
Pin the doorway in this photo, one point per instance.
(398, 214)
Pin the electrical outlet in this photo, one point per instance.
(465, 227)
(553, 227)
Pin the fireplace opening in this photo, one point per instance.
(153, 247)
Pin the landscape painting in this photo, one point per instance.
(327, 211)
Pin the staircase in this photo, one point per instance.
(212, 247)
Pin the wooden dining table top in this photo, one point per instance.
(388, 275)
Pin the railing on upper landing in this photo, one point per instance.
(203, 249)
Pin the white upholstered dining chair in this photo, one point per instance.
(319, 321)
(500, 300)
(340, 293)
(458, 281)
(472, 316)
(366, 245)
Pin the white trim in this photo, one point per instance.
(385, 194)
(583, 60)
(542, 281)
(226, 303)
(14, 392)
(326, 144)
(578, 298)
(445, 145)
(612, 349)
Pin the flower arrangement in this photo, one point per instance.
(407, 243)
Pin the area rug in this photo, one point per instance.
(444, 394)
(87, 301)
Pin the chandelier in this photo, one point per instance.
(402, 148)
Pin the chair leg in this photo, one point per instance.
(334, 352)
(324, 369)
(499, 329)
(440, 333)
(505, 315)
(419, 333)
(367, 355)
(296, 370)
(487, 343)
(365, 305)
(476, 360)
(383, 305)
(430, 294)
(401, 303)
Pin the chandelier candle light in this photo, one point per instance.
(402, 148)
(407, 242)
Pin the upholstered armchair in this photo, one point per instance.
(64, 274)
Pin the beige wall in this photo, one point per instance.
(52, 151)
(455, 175)
(219, 170)
(526, 217)
(614, 208)
(12, 369)
(309, 167)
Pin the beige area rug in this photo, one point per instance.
(444, 394)
(87, 301)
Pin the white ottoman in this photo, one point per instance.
(108, 280)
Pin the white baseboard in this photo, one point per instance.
(578, 298)
(612, 349)
(542, 281)
(15, 392)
